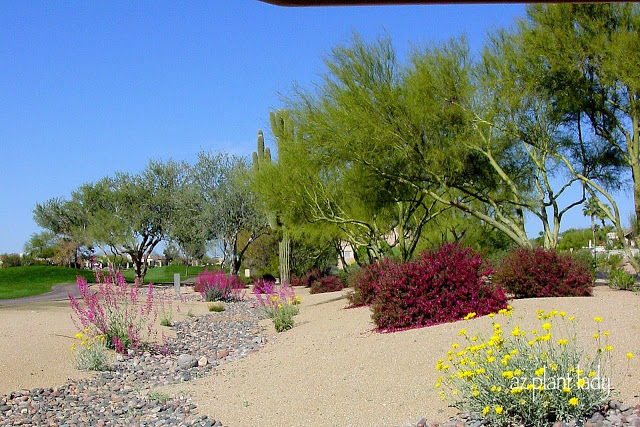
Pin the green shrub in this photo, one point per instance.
(614, 262)
(10, 260)
(620, 279)
(283, 317)
(532, 378)
(585, 257)
(216, 307)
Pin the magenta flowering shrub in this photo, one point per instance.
(326, 284)
(218, 286)
(115, 311)
(536, 272)
(262, 286)
(364, 283)
(438, 287)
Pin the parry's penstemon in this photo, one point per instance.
(115, 311)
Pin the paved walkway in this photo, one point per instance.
(57, 293)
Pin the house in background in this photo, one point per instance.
(347, 254)
(348, 251)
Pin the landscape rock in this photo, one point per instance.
(186, 361)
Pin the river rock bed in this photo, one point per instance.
(124, 396)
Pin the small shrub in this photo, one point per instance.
(283, 317)
(532, 378)
(92, 353)
(280, 305)
(115, 311)
(166, 310)
(586, 258)
(614, 262)
(158, 396)
(620, 279)
(533, 273)
(307, 279)
(364, 283)
(326, 284)
(216, 307)
(440, 286)
(219, 286)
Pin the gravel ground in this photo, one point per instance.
(330, 369)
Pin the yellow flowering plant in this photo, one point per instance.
(90, 353)
(516, 376)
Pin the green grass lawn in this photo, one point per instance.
(164, 274)
(18, 282)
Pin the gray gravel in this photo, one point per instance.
(125, 396)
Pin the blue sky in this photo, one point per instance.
(90, 88)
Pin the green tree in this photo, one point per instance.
(41, 246)
(137, 210)
(585, 54)
(324, 172)
(229, 207)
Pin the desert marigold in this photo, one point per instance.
(598, 320)
(546, 326)
(573, 401)
(629, 355)
(498, 410)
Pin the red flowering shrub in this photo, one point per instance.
(219, 287)
(531, 273)
(307, 279)
(364, 283)
(326, 284)
(438, 287)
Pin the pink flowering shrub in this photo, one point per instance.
(262, 286)
(532, 273)
(115, 311)
(438, 287)
(218, 286)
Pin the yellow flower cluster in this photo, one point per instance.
(86, 340)
(489, 374)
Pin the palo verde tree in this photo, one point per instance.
(324, 174)
(584, 59)
(393, 145)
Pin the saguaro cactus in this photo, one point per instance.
(282, 127)
(263, 155)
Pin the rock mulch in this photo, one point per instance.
(615, 413)
(124, 396)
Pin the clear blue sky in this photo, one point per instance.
(90, 88)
